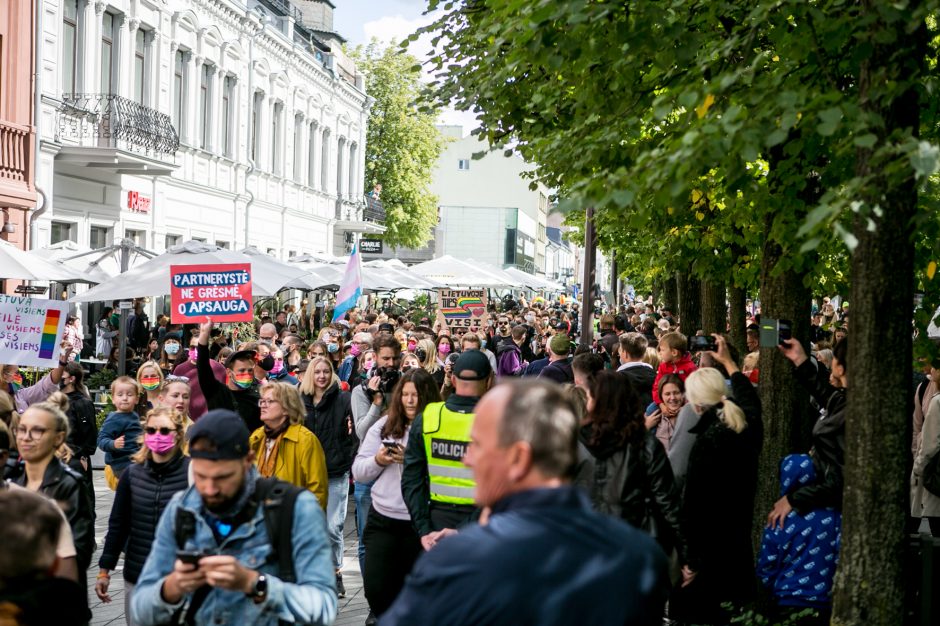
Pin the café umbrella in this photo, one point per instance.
(17, 264)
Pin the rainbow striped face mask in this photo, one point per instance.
(16, 381)
(244, 380)
(150, 383)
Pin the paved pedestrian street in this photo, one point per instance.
(353, 609)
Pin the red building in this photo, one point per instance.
(17, 133)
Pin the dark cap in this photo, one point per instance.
(225, 430)
(241, 355)
(560, 344)
(472, 365)
(385, 327)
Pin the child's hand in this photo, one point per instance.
(119, 443)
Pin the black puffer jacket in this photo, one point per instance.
(828, 441)
(331, 421)
(142, 494)
(633, 481)
(83, 431)
(67, 488)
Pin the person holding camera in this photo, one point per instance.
(436, 485)
(329, 417)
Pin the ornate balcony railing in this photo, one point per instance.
(15, 151)
(117, 122)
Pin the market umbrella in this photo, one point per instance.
(454, 272)
(153, 277)
(531, 281)
(99, 265)
(17, 264)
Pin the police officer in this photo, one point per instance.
(438, 488)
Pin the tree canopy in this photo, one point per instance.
(402, 144)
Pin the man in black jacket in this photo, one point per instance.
(641, 375)
(239, 393)
(558, 368)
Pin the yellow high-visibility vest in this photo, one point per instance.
(446, 438)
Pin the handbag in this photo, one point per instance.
(931, 475)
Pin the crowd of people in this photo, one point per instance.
(506, 473)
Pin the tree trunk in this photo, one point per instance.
(671, 293)
(737, 303)
(870, 587)
(690, 303)
(787, 415)
(714, 309)
(657, 294)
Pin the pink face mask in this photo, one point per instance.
(161, 444)
(355, 349)
(278, 366)
(444, 348)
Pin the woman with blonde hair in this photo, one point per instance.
(150, 379)
(158, 470)
(283, 446)
(427, 353)
(718, 500)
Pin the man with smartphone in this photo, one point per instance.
(208, 556)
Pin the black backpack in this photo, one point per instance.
(278, 499)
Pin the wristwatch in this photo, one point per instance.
(260, 591)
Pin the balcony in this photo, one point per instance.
(16, 164)
(116, 134)
(364, 217)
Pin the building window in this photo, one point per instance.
(298, 148)
(69, 46)
(353, 158)
(340, 166)
(312, 155)
(223, 244)
(172, 240)
(204, 105)
(256, 105)
(137, 236)
(463, 164)
(140, 64)
(98, 238)
(107, 53)
(276, 140)
(228, 99)
(200, 239)
(61, 231)
(179, 84)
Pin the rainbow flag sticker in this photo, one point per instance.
(50, 330)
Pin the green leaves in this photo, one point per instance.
(829, 121)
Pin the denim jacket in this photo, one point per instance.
(311, 600)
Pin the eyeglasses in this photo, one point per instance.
(163, 430)
(265, 402)
(32, 434)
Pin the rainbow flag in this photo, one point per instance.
(350, 289)
(50, 330)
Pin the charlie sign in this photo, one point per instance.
(222, 292)
(462, 308)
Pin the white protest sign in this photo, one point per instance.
(31, 330)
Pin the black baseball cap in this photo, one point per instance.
(385, 327)
(241, 355)
(472, 365)
(225, 430)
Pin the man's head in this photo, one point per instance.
(524, 436)
(606, 322)
(281, 317)
(218, 446)
(241, 369)
(558, 347)
(518, 334)
(753, 340)
(470, 341)
(32, 524)
(471, 375)
(268, 332)
(387, 350)
(632, 347)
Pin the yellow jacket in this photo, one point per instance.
(300, 459)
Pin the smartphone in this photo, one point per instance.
(190, 557)
(392, 446)
(701, 343)
(784, 330)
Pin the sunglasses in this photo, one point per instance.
(163, 430)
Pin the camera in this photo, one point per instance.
(452, 358)
(701, 343)
(388, 378)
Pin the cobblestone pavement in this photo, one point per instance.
(353, 609)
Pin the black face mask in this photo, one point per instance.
(267, 363)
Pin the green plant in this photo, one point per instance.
(101, 379)
(422, 306)
(753, 617)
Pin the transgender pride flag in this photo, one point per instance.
(351, 288)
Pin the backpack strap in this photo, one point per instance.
(277, 499)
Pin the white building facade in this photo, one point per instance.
(168, 120)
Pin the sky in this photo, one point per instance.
(361, 20)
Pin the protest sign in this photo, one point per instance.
(462, 308)
(222, 292)
(31, 330)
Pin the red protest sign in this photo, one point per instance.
(222, 292)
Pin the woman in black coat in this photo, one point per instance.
(159, 470)
(631, 475)
(718, 502)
